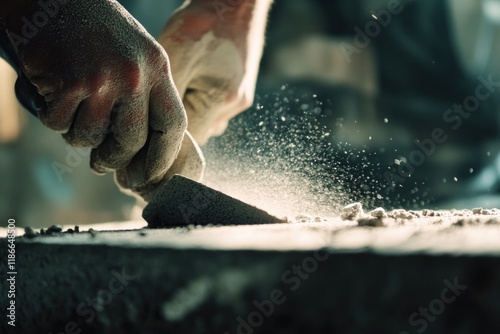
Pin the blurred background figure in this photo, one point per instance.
(376, 82)
(387, 74)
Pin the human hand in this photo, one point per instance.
(214, 58)
(106, 84)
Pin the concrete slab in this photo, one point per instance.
(432, 274)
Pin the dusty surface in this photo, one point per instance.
(456, 232)
(367, 275)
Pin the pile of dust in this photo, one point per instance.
(279, 157)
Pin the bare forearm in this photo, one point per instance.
(234, 10)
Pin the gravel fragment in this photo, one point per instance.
(427, 213)
(468, 222)
(378, 213)
(53, 229)
(93, 233)
(400, 214)
(372, 222)
(352, 211)
(477, 211)
(415, 214)
(492, 222)
(303, 218)
(29, 233)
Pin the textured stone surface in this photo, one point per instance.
(328, 277)
(185, 202)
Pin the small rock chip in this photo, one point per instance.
(29, 233)
(427, 213)
(142, 233)
(400, 214)
(302, 218)
(54, 229)
(77, 229)
(468, 222)
(415, 214)
(352, 211)
(378, 213)
(70, 231)
(486, 212)
(372, 222)
(317, 219)
(93, 233)
(492, 222)
(477, 211)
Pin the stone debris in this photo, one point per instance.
(303, 218)
(30, 233)
(378, 213)
(54, 229)
(372, 222)
(51, 231)
(430, 213)
(416, 214)
(468, 222)
(427, 213)
(492, 222)
(352, 211)
(477, 211)
(462, 213)
(400, 214)
(476, 222)
(484, 212)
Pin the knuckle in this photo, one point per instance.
(133, 76)
(85, 138)
(159, 57)
(245, 102)
(53, 121)
(239, 101)
(159, 66)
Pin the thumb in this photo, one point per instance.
(190, 163)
